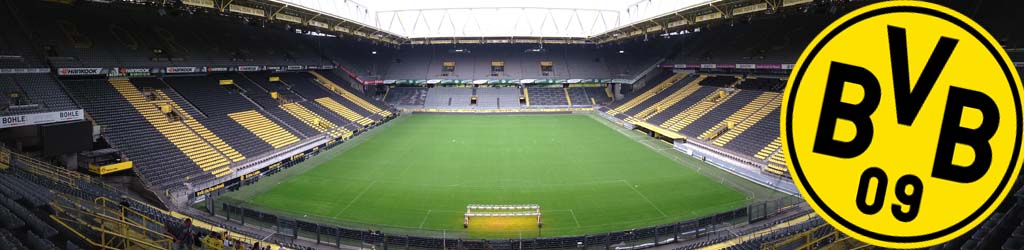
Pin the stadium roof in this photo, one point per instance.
(497, 21)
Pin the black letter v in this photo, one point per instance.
(909, 102)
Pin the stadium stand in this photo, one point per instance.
(47, 207)
(671, 96)
(264, 128)
(659, 86)
(217, 101)
(335, 83)
(449, 98)
(316, 121)
(545, 96)
(259, 88)
(132, 132)
(578, 97)
(406, 96)
(771, 111)
(600, 95)
(190, 129)
(730, 112)
(737, 115)
(425, 62)
(494, 98)
(32, 93)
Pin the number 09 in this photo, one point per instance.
(909, 190)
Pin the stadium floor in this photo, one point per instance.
(416, 175)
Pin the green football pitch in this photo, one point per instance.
(417, 174)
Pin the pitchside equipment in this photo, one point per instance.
(473, 210)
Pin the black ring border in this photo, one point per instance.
(925, 11)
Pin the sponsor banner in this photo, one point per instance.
(132, 70)
(120, 72)
(574, 80)
(768, 66)
(180, 70)
(41, 118)
(217, 69)
(746, 66)
(433, 81)
(273, 68)
(25, 71)
(729, 66)
(668, 66)
(327, 67)
(390, 81)
(249, 68)
(79, 71)
(313, 67)
(373, 82)
(296, 67)
(1018, 64)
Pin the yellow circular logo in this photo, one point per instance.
(903, 124)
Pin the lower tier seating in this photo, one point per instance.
(540, 96)
(406, 96)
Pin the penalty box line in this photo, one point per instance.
(354, 199)
(645, 198)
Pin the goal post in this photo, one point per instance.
(483, 210)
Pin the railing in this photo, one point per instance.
(105, 232)
(110, 222)
(53, 173)
(115, 209)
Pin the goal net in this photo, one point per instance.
(479, 210)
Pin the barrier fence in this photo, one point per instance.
(383, 237)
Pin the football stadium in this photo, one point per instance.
(427, 124)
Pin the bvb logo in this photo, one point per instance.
(903, 124)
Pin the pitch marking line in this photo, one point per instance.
(425, 219)
(574, 218)
(354, 199)
(645, 198)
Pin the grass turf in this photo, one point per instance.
(417, 175)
